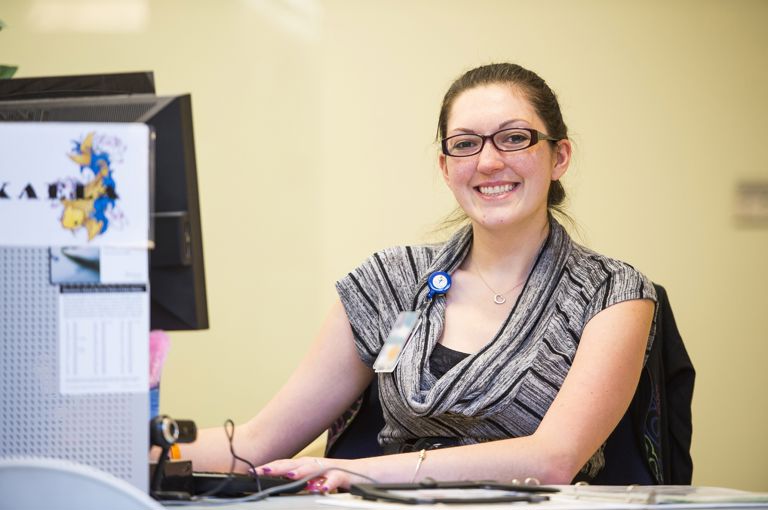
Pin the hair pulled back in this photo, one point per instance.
(537, 92)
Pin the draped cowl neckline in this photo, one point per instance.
(468, 388)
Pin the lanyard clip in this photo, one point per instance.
(439, 282)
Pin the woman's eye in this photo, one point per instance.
(464, 144)
(516, 139)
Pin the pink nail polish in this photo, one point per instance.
(290, 474)
(266, 470)
(326, 489)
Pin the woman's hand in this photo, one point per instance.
(326, 477)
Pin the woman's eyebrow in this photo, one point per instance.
(463, 130)
(511, 122)
(503, 125)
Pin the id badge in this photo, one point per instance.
(389, 355)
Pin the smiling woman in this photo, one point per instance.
(493, 182)
(524, 359)
(533, 93)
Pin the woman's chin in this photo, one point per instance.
(505, 220)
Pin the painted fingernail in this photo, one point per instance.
(290, 474)
(266, 470)
(326, 489)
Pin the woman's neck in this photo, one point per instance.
(505, 257)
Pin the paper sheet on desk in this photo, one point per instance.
(349, 501)
(669, 496)
(597, 498)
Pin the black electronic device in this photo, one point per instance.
(48, 87)
(224, 485)
(177, 274)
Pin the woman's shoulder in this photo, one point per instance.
(401, 265)
(385, 282)
(414, 259)
(597, 263)
(419, 253)
(595, 270)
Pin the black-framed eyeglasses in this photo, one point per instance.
(506, 140)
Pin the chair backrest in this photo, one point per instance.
(355, 434)
(669, 372)
(656, 428)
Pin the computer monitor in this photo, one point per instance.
(177, 274)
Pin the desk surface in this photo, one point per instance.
(566, 500)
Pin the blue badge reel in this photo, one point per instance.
(439, 282)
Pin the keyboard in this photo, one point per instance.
(238, 485)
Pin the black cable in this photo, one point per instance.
(231, 437)
(157, 476)
(229, 430)
(278, 489)
(298, 483)
(208, 497)
(218, 488)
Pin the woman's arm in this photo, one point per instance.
(595, 395)
(327, 381)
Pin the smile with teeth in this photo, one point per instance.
(497, 190)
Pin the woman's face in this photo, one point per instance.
(500, 189)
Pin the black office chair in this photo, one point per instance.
(656, 427)
(660, 411)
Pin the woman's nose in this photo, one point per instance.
(489, 160)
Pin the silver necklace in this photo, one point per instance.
(498, 297)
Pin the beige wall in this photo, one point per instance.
(314, 122)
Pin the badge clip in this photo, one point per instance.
(439, 282)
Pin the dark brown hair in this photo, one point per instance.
(536, 91)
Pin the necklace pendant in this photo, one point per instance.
(499, 299)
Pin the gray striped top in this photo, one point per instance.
(504, 389)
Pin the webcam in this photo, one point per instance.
(164, 431)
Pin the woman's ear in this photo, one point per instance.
(443, 162)
(562, 157)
